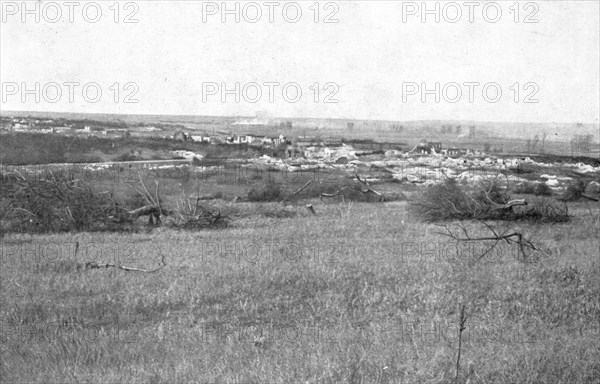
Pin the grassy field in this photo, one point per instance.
(372, 297)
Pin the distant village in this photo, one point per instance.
(293, 147)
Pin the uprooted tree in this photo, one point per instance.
(57, 202)
(191, 214)
(347, 192)
(487, 200)
(48, 201)
(153, 209)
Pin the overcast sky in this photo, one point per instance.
(370, 57)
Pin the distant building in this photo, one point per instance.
(253, 139)
(436, 145)
(423, 149)
(279, 141)
(451, 151)
(244, 139)
(292, 152)
(306, 141)
(238, 140)
(266, 140)
(200, 138)
(331, 142)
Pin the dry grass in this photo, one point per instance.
(370, 298)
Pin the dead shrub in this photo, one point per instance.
(531, 188)
(542, 189)
(450, 201)
(543, 210)
(486, 201)
(191, 215)
(264, 193)
(574, 191)
(57, 203)
(345, 189)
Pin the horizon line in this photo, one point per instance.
(305, 118)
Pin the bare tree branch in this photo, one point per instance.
(94, 265)
(302, 188)
(511, 238)
(365, 183)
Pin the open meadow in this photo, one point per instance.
(299, 192)
(341, 266)
(359, 293)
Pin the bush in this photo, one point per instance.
(526, 188)
(574, 191)
(268, 192)
(449, 201)
(194, 216)
(127, 157)
(543, 211)
(537, 189)
(58, 203)
(542, 189)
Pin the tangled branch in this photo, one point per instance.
(154, 209)
(510, 237)
(368, 188)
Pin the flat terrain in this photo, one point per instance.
(372, 297)
(360, 291)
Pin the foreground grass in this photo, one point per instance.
(373, 297)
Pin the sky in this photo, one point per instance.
(537, 61)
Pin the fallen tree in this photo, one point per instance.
(154, 208)
(95, 265)
(57, 202)
(510, 236)
(368, 189)
(486, 201)
(191, 214)
(354, 191)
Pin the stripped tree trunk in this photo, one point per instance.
(152, 211)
